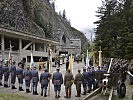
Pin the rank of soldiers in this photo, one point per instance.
(32, 78)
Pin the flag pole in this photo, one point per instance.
(31, 63)
(10, 61)
(100, 57)
(49, 65)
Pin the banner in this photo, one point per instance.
(31, 61)
(71, 63)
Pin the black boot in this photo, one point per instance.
(5, 85)
(42, 92)
(1, 84)
(20, 89)
(33, 92)
(13, 87)
(45, 95)
(36, 93)
(28, 91)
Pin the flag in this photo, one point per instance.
(31, 61)
(71, 63)
(10, 55)
(50, 61)
(87, 60)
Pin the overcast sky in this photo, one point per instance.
(81, 12)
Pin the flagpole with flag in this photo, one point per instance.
(71, 63)
(10, 60)
(50, 66)
(31, 60)
(87, 59)
(31, 63)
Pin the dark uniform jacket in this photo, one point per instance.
(57, 78)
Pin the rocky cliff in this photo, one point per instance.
(36, 17)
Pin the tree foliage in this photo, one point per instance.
(114, 32)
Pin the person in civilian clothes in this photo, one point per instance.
(85, 82)
(19, 73)
(6, 73)
(44, 80)
(1, 73)
(27, 77)
(35, 79)
(13, 75)
(57, 80)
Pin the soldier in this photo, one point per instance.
(1, 73)
(85, 82)
(93, 78)
(27, 77)
(57, 80)
(68, 81)
(78, 81)
(6, 73)
(19, 73)
(13, 75)
(35, 79)
(89, 80)
(44, 80)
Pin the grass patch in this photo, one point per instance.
(12, 97)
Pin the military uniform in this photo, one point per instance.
(6, 74)
(90, 80)
(19, 73)
(27, 77)
(13, 75)
(78, 81)
(44, 80)
(35, 79)
(68, 81)
(57, 80)
(85, 82)
(1, 73)
(93, 78)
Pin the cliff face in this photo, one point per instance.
(36, 17)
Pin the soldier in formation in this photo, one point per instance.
(13, 75)
(78, 81)
(85, 80)
(19, 73)
(6, 74)
(57, 80)
(35, 79)
(68, 81)
(44, 80)
(27, 77)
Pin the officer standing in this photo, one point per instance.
(19, 73)
(68, 81)
(27, 77)
(6, 73)
(13, 75)
(85, 82)
(78, 81)
(57, 80)
(89, 80)
(93, 78)
(44, 80)
(1, 73)
(35, 79)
